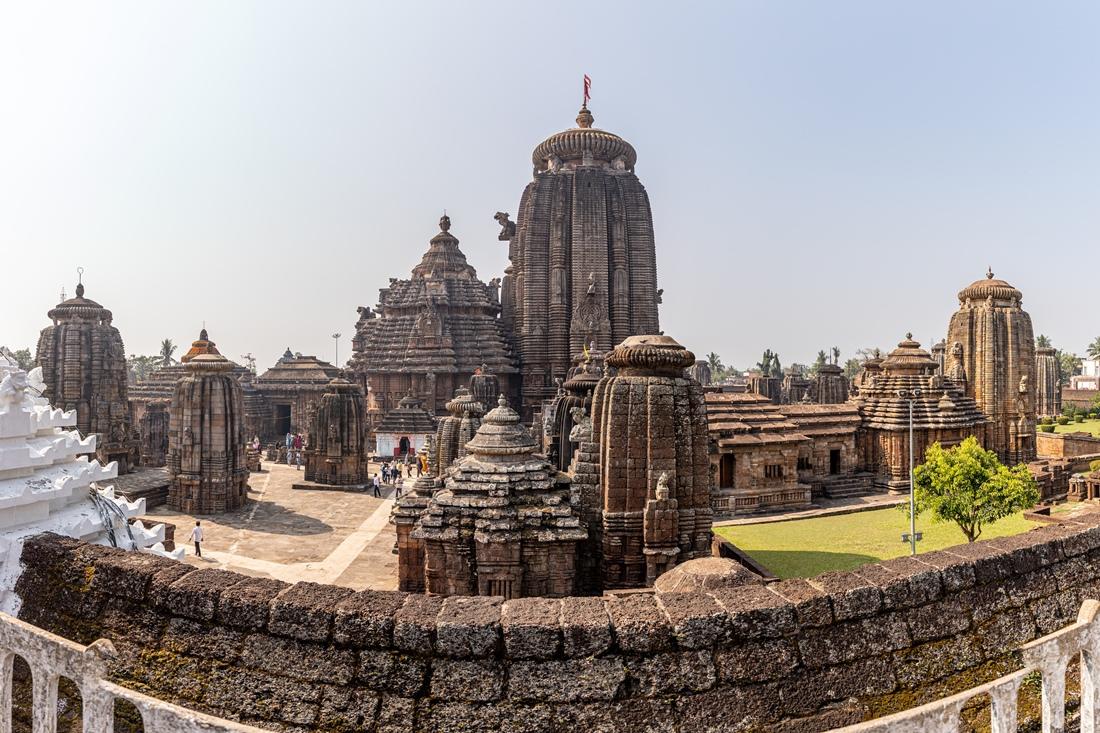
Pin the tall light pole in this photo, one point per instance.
(336, 339)
(911, 395)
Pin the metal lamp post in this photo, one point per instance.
(911, 395)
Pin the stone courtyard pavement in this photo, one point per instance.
(338, 537)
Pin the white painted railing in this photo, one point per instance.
(51, 657)
(1050, 656)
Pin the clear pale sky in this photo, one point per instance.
(821, 173)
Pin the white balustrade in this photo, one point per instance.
(1050, 656)
(51, 657)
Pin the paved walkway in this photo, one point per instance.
(822, 508)
(290, 534)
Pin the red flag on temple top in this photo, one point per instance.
(587, 88)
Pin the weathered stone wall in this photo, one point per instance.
(1066, 445)
(798, 655)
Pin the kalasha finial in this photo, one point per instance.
(909, 336)
(80, 282)
(989, 273)
(585, 118)
(502, 401)
(444, 222)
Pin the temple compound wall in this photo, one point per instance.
(797, 655)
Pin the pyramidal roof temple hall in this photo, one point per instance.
(518, 504)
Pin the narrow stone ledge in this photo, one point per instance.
(414, 623)
(991, 564)
(127, 574)
(532, 628)
(586, 626)
(638, 623)
(811, 604)
(468, 626)
(924, 581)
(305, 611)
(956, 572)
(365, 619)
(246, 604)
(195, 595)
(157, 591)
(852, 596)
(698, 620)
(756, 612)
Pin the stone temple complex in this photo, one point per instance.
(339, 439)
(583, 264)
(430, 333)
(84, 367)
(206, 445)
(991, 349)
(502, 525)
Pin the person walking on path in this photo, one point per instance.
(298, 450)
(377, 486)
(196, 537)
(397, 484)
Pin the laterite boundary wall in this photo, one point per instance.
(793, 656)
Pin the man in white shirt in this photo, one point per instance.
(196, 537)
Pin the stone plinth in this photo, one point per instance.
(650, 419)
(337, 451)
(206, 453)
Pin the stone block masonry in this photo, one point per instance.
(799, 655)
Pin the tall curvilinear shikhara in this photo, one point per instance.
(583, 266)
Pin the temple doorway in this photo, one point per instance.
(725, 471)
(282, 420)
(834, 461)
(403, 446)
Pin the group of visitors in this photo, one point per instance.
(295, 444)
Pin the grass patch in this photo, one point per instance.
(802, 548)
(1088, 426)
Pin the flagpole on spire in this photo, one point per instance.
(587, 91)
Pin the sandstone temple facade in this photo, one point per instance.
(583, 265)
(503, 524)
(339, 438)
(84, 369)
(991, 349)
(292, 389)
(206, 449)
(431, 332)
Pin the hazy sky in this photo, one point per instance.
(821, 173)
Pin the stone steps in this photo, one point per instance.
(859, 484)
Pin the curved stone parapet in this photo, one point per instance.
(795, 655)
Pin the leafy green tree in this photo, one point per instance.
(1042, 342)
(852, 367)
(140, 367)
(1094, 348)
(835, 352)
(167, 348)
(819, 362)
(716, 366)
(24, 359)
(769, 364)
(1068, 366)
(968, 485)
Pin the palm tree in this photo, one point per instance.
(1094, 348)
(836, 355)
(715, 363)
(167, 348)
(1042, 342)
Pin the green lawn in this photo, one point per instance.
(802, 548)
(1088, 426)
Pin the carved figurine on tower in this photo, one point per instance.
(583, 264)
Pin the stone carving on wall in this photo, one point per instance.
(507, 226)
